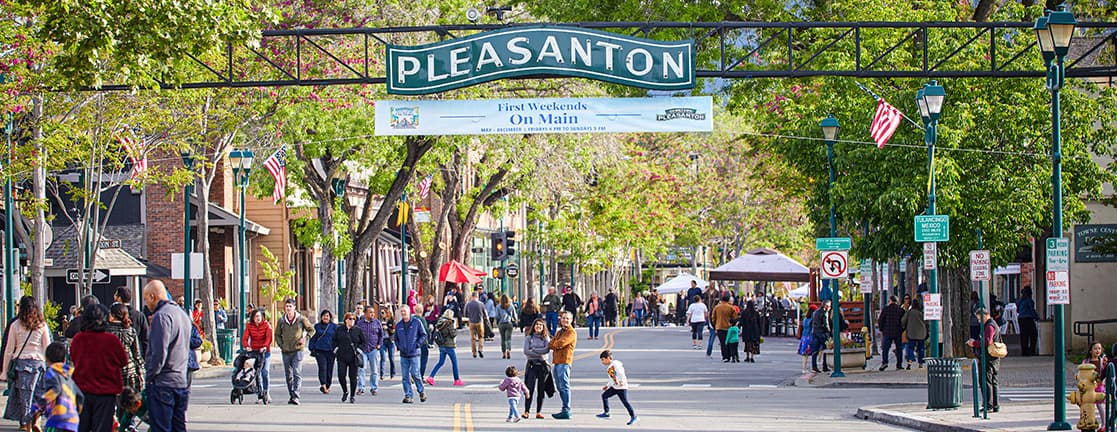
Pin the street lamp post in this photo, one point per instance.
(241, 160)
(188, 160)
(339, 185)
(1054, 33)
(830, 129)
(930, 100)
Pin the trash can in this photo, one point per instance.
(225, 344)
(944, 383)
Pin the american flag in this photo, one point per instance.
(133, 148)
(277, 166)
(885, 122)
(425, 187)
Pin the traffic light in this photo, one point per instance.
(496, 273)
(509, 244)
(496, 252)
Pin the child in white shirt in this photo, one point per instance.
(617, 386)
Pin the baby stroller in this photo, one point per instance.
(246, 374)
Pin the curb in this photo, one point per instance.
(877, 414)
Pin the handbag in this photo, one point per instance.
(11, 370)
(997, 349)
(359, 355)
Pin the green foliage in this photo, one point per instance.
(279, 285)
(52, 313)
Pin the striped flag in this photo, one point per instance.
(885, 122)
(133, 148)
(277, 166)
(425, 187)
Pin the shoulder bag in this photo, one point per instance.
(359, 356)
(997, 349)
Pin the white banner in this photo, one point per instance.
(544, 115)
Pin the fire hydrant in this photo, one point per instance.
(1086, 397)
(868, 344)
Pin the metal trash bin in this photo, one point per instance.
(944, 383)
(225, 344)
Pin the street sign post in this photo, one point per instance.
(835, 264)
(76, 276)
(866, 276)
(885, 277)
(929, 256)
(512, 270)
(932, 228)
(932, 306)
(1058, 288)
(980, 266)
(108, 244)
(833, 243)
(1058, 254)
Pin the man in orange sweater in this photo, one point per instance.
(562, 355)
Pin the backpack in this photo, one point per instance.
(437, 337)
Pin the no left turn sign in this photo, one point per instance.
(835, 264)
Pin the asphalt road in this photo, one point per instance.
(675, 388)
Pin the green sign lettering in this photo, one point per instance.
(540, 51)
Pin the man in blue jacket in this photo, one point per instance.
(167, 358)
(374, 337)
(410, 336)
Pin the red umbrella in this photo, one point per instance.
(457, 272)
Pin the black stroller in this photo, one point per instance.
(246, 377)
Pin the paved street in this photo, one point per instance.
(675, 389)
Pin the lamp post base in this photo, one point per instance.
(1058, 426)
(838, 374)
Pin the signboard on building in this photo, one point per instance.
(525, 51)
(1086, 238)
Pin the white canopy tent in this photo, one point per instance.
(680, 283)
(798, 293)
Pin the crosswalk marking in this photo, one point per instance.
(695, 385)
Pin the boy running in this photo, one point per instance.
(617, 386)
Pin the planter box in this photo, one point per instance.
(851, 357)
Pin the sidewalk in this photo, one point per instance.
(1015, 372)
(1014, 416)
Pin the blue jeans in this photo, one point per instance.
(562, 384)
(166, 408)
(513, 410)
(409, 366)
(264, 374)
(710, 342)
(388, 352)
(444, 352)
(594, 324)
(886, 344)
(424, 354)
(552, 322)
(292, 362)
(912, 347)
(372, 365)
(639, 317)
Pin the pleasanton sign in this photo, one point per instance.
(540, 51)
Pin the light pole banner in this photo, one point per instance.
(544, 115)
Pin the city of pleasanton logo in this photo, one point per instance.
(404, 118)
(680, 113)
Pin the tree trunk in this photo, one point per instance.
(38, 248)
(205, 294)
(327, 271)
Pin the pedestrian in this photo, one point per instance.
(192, 355)
(594, 316)
(431, 311)
(538, 375)
(1096, 357)
(424, 350)
(691, 293)
(220, 317)
(258, 337)
(640, 308)
(552, 304)
(696, 316)
(490, 312)
(505, 316)
(562, 355)
(571, 302)
(167, 355)
(347, 341)
(445, 335)
(120, 325)
(805, 336)
(891, 330)
(528, 314)
(291, 333)
(374, 337)
(196, 315)
(322, 349)
(450, 301)
(388, 345)
(475, 312)
(732, 342)
(916, 330)
(975, 325)
(513, 388)
(653, 307)
(1027, 315)
(98, 358)
(750, 325)
(75, 324)
(611, 308)
(723, 315)
(617, 386)
(61, 398)
(989, 386)
(139, 320)
(820, 332)
(23, 365)
(410, 335)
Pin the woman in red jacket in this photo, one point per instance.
(98, 358)
(257, 337)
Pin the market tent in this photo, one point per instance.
(762, 264)
(798, 293)
(457, 272)
(680, 283)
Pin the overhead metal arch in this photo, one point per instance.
(730, 50)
